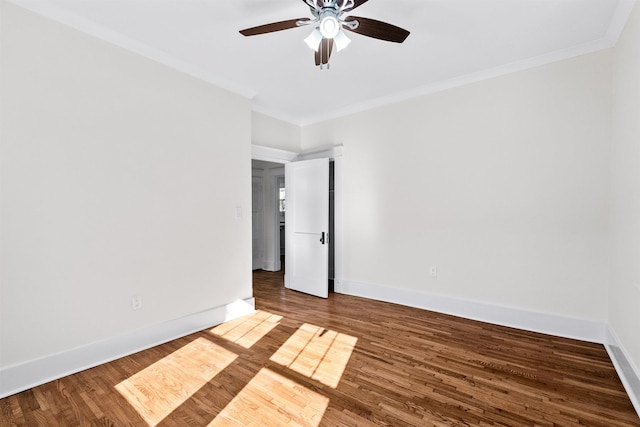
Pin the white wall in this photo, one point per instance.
(119, 176)
(624, 294)
(501, 184)
(270, 132)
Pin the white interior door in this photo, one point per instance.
(307, 219)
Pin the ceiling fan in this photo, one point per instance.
(329, 26)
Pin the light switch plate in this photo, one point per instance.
(433, 271)
(136, 302)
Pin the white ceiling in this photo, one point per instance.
(452, 42)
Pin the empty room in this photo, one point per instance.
(319, 213)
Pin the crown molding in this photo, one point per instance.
(86, 26)
(619, 20)
(275, 114)
(525, 64)
(616, 26)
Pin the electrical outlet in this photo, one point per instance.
(136, 302)
(433, 271)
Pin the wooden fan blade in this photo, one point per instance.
(329, 50)
(324, 53)
(317, 2)
(270, 28)
(377, 29)
(358, 3)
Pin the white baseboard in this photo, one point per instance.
(628, 373)
(17, 378)
(581, 329)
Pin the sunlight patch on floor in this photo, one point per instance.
(317, 353)
(270, 399)
(159, 389)
(248, 330)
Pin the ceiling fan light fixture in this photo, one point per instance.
(314, 39)
(329, 27)
(341, 40)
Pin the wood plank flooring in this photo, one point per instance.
(343, 361)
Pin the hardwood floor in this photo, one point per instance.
(343, 361)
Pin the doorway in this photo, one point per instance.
(271, 162)
(268, 215)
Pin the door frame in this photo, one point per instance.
(275, 155)
(274, 177)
